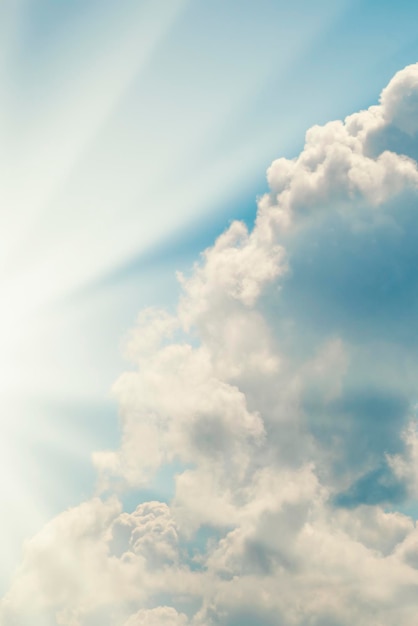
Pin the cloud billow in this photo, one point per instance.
(284, 391)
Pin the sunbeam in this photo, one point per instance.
(131, 134)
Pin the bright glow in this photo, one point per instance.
(121, 123)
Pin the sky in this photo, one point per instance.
(209, 301)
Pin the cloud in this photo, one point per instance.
(161, 616)
(399, 101)
(283, 389)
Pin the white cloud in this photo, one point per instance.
(161, 616)
(405, 466)
(285, 423)
(400, 100)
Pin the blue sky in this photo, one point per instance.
(132, 134)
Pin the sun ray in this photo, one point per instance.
(121, 125)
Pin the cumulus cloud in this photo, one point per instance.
(283, 390)
(161, 616)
